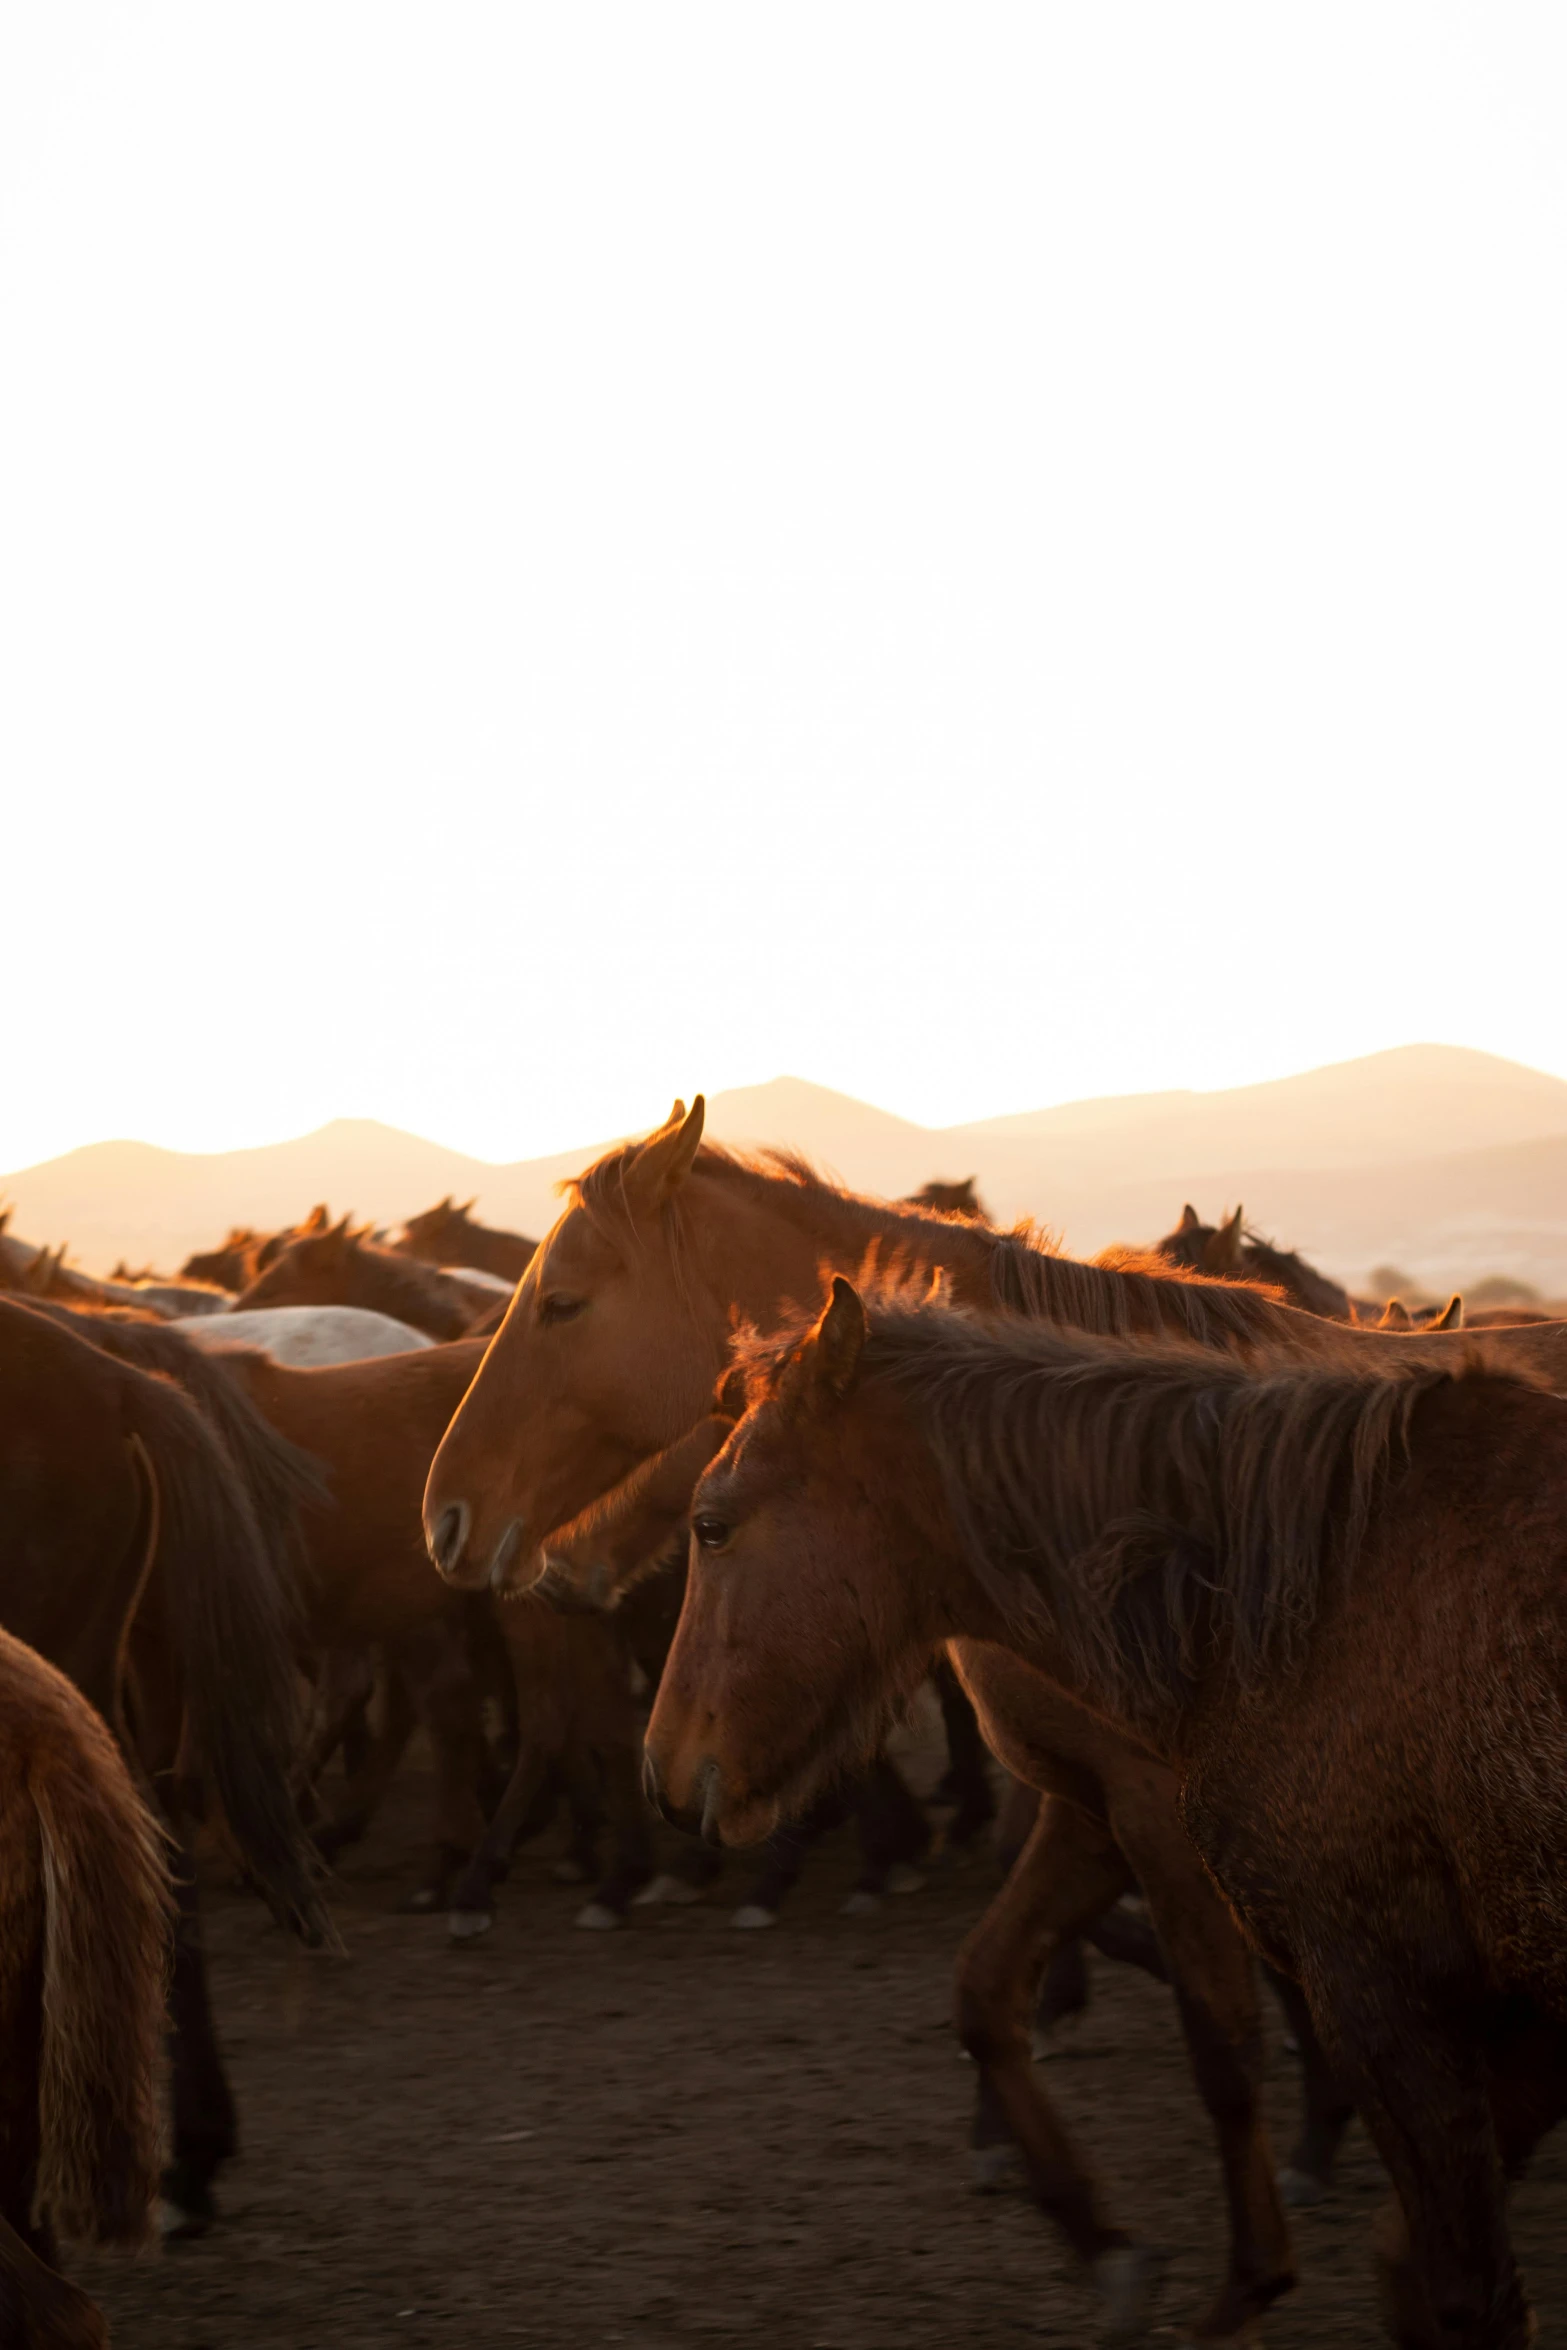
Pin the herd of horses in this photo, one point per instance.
(1251, 1592)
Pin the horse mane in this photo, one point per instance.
(1120, 1293)
(1127, 1293)
(1154, 1503)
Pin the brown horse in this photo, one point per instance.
(1231, 1251)
(341, 1267)
(950, 1199)
(580, 1726)
(112, 1479)
(609, 1352)
(84, 1919)
(373, 1425)
(246, 1253)
(1328, 1597)
(447, 1235)
(621, 1325)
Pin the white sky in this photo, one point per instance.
(555, 555)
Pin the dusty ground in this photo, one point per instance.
(681, 2134)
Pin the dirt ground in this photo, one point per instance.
(683, 2134)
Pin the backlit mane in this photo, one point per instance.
(1120, 1294)
(1149, 1500)
(1126, 1292)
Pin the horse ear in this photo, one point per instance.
(468, 1206)
(318, 1219)
(1223, 1252)
(1190, 1220)
(1396, 1316)
(830, 1357)
(1452, 1315)
(664, 1160)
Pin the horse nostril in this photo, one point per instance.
(650, 1785)
(449, 1535)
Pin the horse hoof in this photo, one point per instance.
(598, 1918)
(465, 1925)
(861, 1904)
(423, 1902)
(750, 1918)
(1299, 2191)
(570, 1872)
(901, 1878)
(996, 2170)
(1128, 2280)
(673, 1890)
(178, 2226)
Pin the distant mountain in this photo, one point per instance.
(1448, 1162)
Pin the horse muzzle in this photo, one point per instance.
(570, 1591)
(702, 1814)
(446, 1539)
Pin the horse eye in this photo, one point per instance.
(561, 1309)
(711, 1533)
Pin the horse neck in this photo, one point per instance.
(1301, 1283)
(765, 1242)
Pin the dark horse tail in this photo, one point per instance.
(226, 1610)
(280, 1479)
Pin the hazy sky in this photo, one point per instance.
(554, 555)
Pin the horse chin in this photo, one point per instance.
(750, 1821)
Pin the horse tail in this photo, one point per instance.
(226, 1614)
(281, 1479)
(106, 1942)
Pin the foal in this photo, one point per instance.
(1329, 1598)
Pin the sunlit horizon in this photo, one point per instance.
(655, 1109)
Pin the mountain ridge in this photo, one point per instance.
(1354, 1162)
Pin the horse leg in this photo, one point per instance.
(783, 1857)
(1068, 1872)
(966, 1782)
(1120, 1934)
(1425, 2094)
(1216, 1992)
(344, 1682)
(446, 1697)
(473, 1903)
(361, 1798)
(1327, 2112)
(894, 1836)
(632, 1865)
(205, 2126)
(579, 1863)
